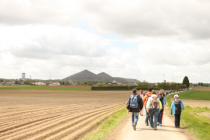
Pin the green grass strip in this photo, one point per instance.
(199, 126)
(194, 94)
(107, 126)
(43, 88)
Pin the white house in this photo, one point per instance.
(54, 84)
(39, 84)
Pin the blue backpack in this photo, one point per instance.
(134, 101)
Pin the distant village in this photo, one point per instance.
(28, 81)
(38, 82)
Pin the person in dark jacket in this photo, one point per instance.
(134, 105)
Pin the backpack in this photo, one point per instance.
(177, 104)
(134, 101)
(161, 98)
(155, 103)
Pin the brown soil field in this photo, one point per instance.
(195, 103)
(57, 115)
(88, 87)
(202, 89)
(206, 114)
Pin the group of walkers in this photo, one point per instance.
(153, 103)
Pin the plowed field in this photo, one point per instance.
(202, 88)
(55, 115)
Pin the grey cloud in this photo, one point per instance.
(125, 18)
(150, 18)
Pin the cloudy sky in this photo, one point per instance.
(141, 39)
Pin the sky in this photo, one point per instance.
(147, 40)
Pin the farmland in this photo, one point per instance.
(56, 114)
(84, 88)
(194, 98)
(195, 95)
(202, 88)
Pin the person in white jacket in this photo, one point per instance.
(153, 108)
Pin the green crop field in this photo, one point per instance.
(194, 94)
(43, 88)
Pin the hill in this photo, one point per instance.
(86, 75)
(125, 80)
(105, 77)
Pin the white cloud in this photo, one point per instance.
(39, 38)
(19, 12)
(43, 42)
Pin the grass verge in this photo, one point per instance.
(199, 126)
(194, 94)
(43, 88)
(107, 126)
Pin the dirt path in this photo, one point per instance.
(167, 132)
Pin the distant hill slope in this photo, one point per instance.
(88, 76)
(103, 76)
(82, 75)
(125, 80)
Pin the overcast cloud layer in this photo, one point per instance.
(133, 39)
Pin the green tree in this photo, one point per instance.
(165, 86)
(67, 83)
(186, 81)
(144, 84)
(27, 82)
(154, 86)
(174, 86)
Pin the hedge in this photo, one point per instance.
(119, 88)
(128, 88)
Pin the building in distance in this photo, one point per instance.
(23, 76)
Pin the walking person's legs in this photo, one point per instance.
(159, 118)
(178, 123)
(141, 112)
(151, 117)
(136, 115)
(146, 119)
(176, 120)
(156, 112)
(132, 118)
(162, 118)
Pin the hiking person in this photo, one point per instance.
(176, 107)
(163, 101)
(153, 106)
(149, 93)
(134, 105)
(142, 96)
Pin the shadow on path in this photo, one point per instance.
(144, 129)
